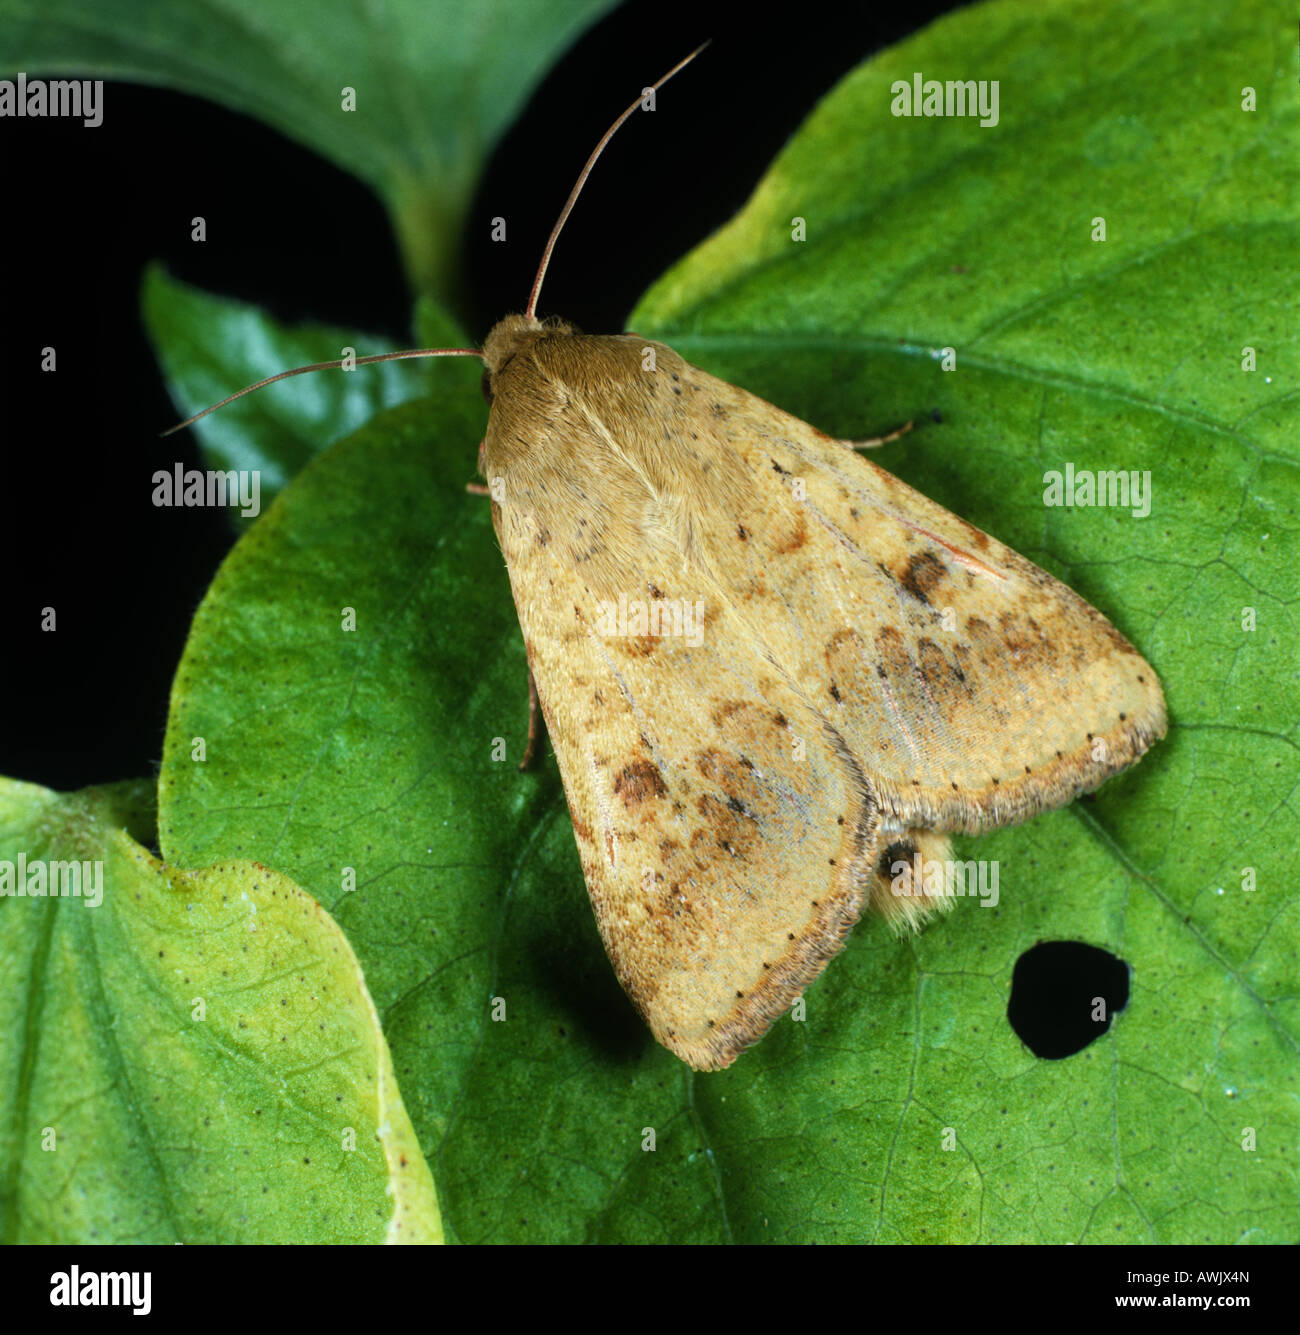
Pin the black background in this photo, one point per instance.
(86, 209)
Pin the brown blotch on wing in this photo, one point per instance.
(892, 648)
(923, 571)
(728, 709)
(638, 782)
(841, 643)
(793, 540)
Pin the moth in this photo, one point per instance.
(850, 674)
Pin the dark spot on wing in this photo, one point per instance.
(638, 782)
(920, 575)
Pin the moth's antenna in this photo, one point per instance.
(458, 352)
(326, 366)
(586, 171)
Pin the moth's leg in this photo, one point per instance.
(477, 488)
(876, 441)
(534, 704)
(901, 895)
(534, 714)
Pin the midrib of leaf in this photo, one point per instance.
(994, 364)
(1133, 872)
(133, 1106)
(416, 132)
(1122, 858)
(715, 1173)
(27, 1065)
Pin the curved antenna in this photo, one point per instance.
(582, 180)
(326, 366)
(458, 352)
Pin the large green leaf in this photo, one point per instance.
(373, 747)
(436, 83)
(190, 1056)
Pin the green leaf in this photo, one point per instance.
(210, 346)
(436, 84)
(373, 748)
(192, 1056)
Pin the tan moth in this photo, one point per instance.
(776, 678)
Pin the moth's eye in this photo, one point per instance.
(486, 385)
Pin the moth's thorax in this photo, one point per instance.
(573, 397)
(587, 401)
(516, 333)
(599, 444)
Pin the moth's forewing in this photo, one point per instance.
(725, 834)
(761, 658)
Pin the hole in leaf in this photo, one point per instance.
(1063, 994)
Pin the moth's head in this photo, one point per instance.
(511, 336)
